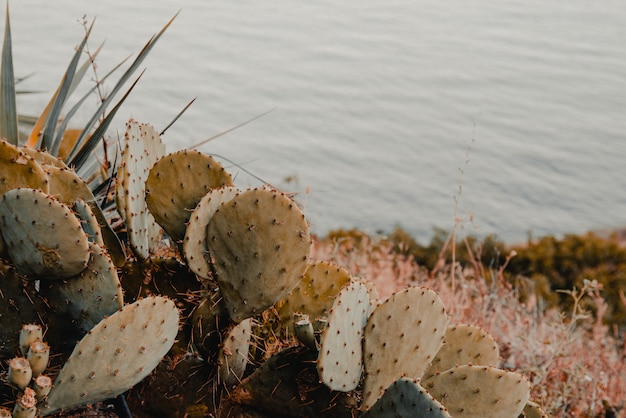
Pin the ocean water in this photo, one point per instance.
(508, 117)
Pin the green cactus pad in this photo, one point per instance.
(18, 169)
(208, 320)
(464, 344)
(233, 356)
(371, 289)
(480, 391)
(88, 221)
(43, 236)
(533, 410)
(260, 244)
(94, 294)
(119, 352)
(177, 183)
(405, 398)
(195, 244)
(315, 293)
(304, 332)
(142, 148)
(66, 186)
(341, 356)
(401, 338)
(44, 158)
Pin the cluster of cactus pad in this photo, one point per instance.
(190, 273)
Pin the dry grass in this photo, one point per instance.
(576, 365)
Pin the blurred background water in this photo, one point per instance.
(510, 115)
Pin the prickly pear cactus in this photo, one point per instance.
(43, 236)
(175, 185)
(233, 356)
(88, 221)
(480, 391)
(340, 360)
(18, 169)
(464, 344)
(44, 158)
(315, 293)
(195, 247)
(209, 318)
(95, 293)
(405, 398)
(402, 336)
(67, 187)
(116, 354)
(287, 385)
(29, 334)
(533, 410)
(260, 244)
(142, 148)
(304, 332)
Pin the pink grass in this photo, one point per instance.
(575, 364)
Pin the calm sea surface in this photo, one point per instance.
(400, 112)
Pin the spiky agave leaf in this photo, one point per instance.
(41, 123)
(62, 95)
(8, 111)
(85, 145)
(61, 146)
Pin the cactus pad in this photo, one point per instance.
(18, 169)
(142, 148)
(464, 344)
(315, 293)
(533, 410)
(208, 319)
(43, 236)
(44, 158)
(95, 293)
(406, 398)
(401, 338)
(480, 391)
(195, 244)
(175, 185)
(116, 354)
(66, 186)
(233, 356)
(88, 221)
(260, 243)
(341, 356)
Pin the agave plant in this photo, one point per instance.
(50, 132)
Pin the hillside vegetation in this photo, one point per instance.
(556, 306)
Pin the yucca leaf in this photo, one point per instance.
(63, 91)
(63, 125)
(90, 144)
(39, 125)
(8, 110)
(78, 147)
